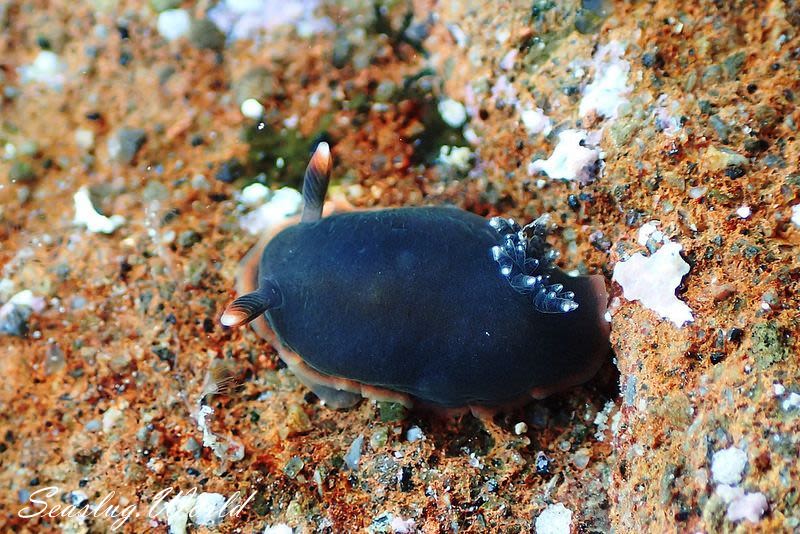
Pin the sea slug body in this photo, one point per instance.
(433, 305)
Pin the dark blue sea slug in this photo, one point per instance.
(429, 304)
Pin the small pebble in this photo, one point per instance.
(125, 144)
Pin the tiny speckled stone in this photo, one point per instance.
(767, 345)
(341, 52)
(188, 238)
(230, 171)
(733, 64)
(125, 144)
(191, 445)
(718, 159)
(21, 171)
(379, 437)
(581, 458)
(385, 91)
(209, 509)
(293, 466)
(722, 129)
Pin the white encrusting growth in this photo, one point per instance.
(284, 203)
(86, 214)
(457, 157)
(228, 450)
(536, 122)
(252, 109)
(648, 231)
(24, 298)
(796, 214)
(47, 68)
(555, 519)
(173, 24)
(744, 212)
(249, 19)
(741, 505)
(177, 511)
(280, 528)
(727, 465)
(209, 509)
(571, 159)
(254, 194)
(452, 112)
(652, 280)
(606, 93)
(727, 470)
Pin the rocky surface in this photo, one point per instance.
(678, 122)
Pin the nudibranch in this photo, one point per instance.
(434, 305)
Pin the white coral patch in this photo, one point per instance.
(402, 526)
(280, 528)
(209, 509)
(727, 465)
(457, 157)
(28, 299)
(453, 112)
(283, 204)
(607, 91)
(796, 214)
(536, 122)
(249, 19)
(173, 24)
(252, 108)
(555, 519)
(48, 68)
(652, 280)
(647, 231)
(570, 160)
(177, 511)
(254, 194)
(86, 214)
(750, 506)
